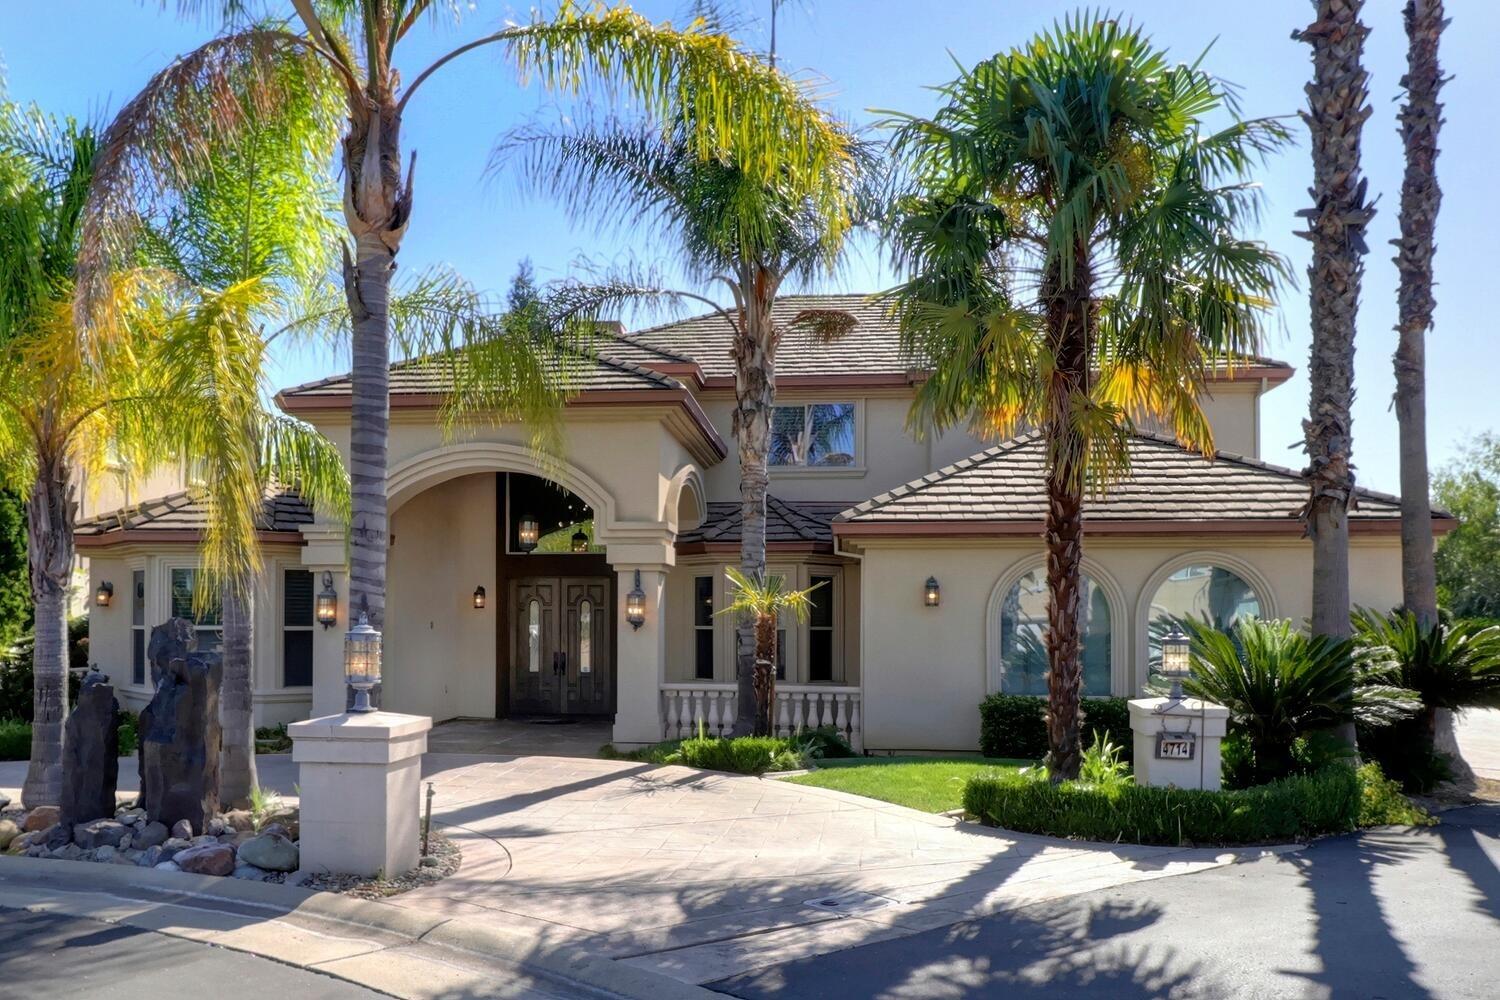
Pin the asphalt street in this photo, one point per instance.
(64, 956)
(1383, 915)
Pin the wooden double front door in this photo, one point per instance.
(561, 660)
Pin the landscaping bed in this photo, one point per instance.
(931, 784)
(741, 754)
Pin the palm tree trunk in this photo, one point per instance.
(377, 207)
(1335, 116)
(1421, 118)
(50, 513)
(1070, 325)
(754, 397)
(236, 712)
(765, 675)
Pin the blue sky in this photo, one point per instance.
(88, 57)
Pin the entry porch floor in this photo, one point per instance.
(520, 737)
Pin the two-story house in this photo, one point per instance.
(508, 579)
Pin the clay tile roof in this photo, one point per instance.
(1166, 483)
(282, 510)
(787, 521)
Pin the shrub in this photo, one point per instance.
(1308, 754)
(16, 670)
(1298, 807)
(822, 743)
(1102, 763)
(15, 740)
(1382, 804)
(1405, 752)
(742, 754)
(1014, 726)
(128, 739)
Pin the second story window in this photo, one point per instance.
(813, 434)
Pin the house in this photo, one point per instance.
(508, 579)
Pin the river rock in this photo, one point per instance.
(168, 866)
(4, 801)
(270, 851)
(150, 857)
(151, 835)
(182, 830)
(239, 820)
(250, 873)
(91, 768)
(41, 818)
(173, 846)
(210, 859)
(98, 833)
(180, 736)
(104, 854)
(67, 852)
(8, 833)
(286, 818)
(215, 827)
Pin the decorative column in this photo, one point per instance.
(324, 552)
(1177, 741)
(360, 781)
(641, 658)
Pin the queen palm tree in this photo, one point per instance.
(167, 134)
(1421, 118)
(1335, 116)
(157, 390)
(1070, 227)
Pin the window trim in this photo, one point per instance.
(169, 567)
(1140, 646)
(133, 567)
(1121, 643)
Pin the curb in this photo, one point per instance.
(570, 964)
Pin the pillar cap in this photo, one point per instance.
(360, 726)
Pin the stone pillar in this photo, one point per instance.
(1190, 761)
(360, 778)
(324, 551)
(641, 660)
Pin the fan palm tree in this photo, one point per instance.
(1421, 118)
(1335, 116)
(764, 600)
(729, 226)
(1071, 230)
(166, 136)
(158, 390)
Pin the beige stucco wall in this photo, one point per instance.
(109, 628)
(926, 669)
(440, 650)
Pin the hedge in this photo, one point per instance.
(1293, 808)
(1015, 725)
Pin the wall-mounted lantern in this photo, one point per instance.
(479, 597)
(931, 592)
(328, 602)
(635, 604)
(1174, 660)
(580, 541)
(528, 532)
(104, 594)
(362, 662)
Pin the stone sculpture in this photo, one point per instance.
(91, 767)
(180, 736)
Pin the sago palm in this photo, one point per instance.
(1071, 228)
(763, 600)
(1421, 118)
(729, 226)
(1450, 665)
(166, 137)
(151, 393)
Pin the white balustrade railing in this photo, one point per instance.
(691, 707)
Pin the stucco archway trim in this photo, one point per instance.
(1199, 557)
(1114, 597)
(688, 479)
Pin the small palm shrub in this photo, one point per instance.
(1103, 763)
(1453, 665)
(1281, 684)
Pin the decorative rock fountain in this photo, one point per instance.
(180, 735)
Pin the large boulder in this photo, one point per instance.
(41, 818)
(179, 730)
(8, 832)
(91, 767)
(210, 859)
(151, 835)
(271, 852)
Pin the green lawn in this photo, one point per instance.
(932, 784)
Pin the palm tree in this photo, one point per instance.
(1070, 227)
(763, 600)
(1421, 118)
(1335, 116)
(141, 395)
(729, 226)
(166, 136)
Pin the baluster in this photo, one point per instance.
(783, 714)
(671, 730)
(696, 713)
(815, 711)
(856, 731)
(840, 704)
(798, 707)
(713, 713)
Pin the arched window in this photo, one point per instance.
(1023, 621)
(1201, 591)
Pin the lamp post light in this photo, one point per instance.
(479, 597)
(362, 662)
(635, 604)
(328, 602)
(104, 594)
(1174, 660)
(528, 532)
(932, 593)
